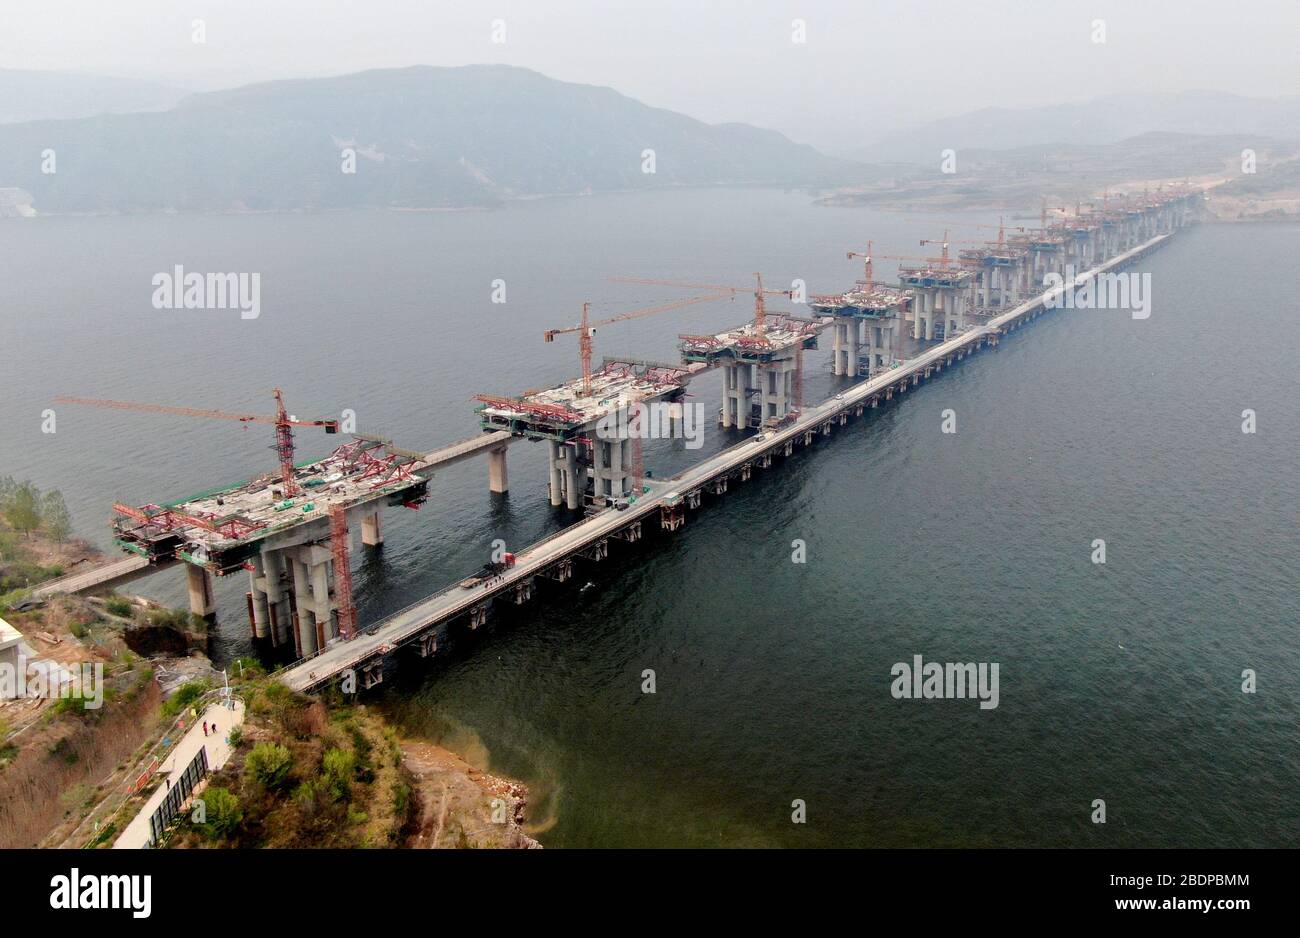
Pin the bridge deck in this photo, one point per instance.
(402, 626)
(456, 452)
(94, 577)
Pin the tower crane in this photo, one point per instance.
(1000, 228)
(586, 328)
(760, 308)
(912, 257)
(866, 263)
(283, 420)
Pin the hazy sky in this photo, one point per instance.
(865, 63)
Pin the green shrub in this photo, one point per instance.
(223, 812)
(245, 668)
(337, 767)
(184, 697)
(305, 796)
(269, 764)
(20, 574)
(11, 598)
(119, 606)
(401, 799)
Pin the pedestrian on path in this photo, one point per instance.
(205, 727)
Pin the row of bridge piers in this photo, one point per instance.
(670, 503)
(672, 515)
(948, 296)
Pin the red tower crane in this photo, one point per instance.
(586, 329)
(999, 227)
(284, 424)
(760, 307)
(866, 263)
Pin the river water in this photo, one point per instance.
(1120, 682)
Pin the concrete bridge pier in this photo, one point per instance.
(884, 343)
(956, 312)
(199, 584)
(372, 530)
(554, 463)
(568, 475)
(611, 467)
(498, 480)
(776, 382)
(259, 610)
(923, 315)
(273, 586)
(737, 384)
(304, 618)
(846, 340)
(574, 476)
(313, 596)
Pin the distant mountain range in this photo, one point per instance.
(1100, 121)
(32, 95)
(423, 138)
(428, 138)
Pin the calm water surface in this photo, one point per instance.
(1119, 682)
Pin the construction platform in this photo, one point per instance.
(221, 530)
(568, 410)
(865, 301)
(781, 333)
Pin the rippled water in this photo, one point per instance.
(1119, 682)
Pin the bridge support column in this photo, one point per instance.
(279, 615)
(737, 382)
(326, 627)
(306, 615)
(847, 339)
(610, 467)
(568, 475)
(258, 607)
(575, 477)
(776, 384)
(199, 584)
(497, 478)
(372, 530)
(554, 464)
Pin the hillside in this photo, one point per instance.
(1063, 173)
(36, 95)
(424, 138)
(1101, 121)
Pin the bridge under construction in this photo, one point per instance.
(290, 532)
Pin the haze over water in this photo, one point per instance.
(1120, 682)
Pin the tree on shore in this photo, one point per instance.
(26, 509)
(22, 506)
(55, 517)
